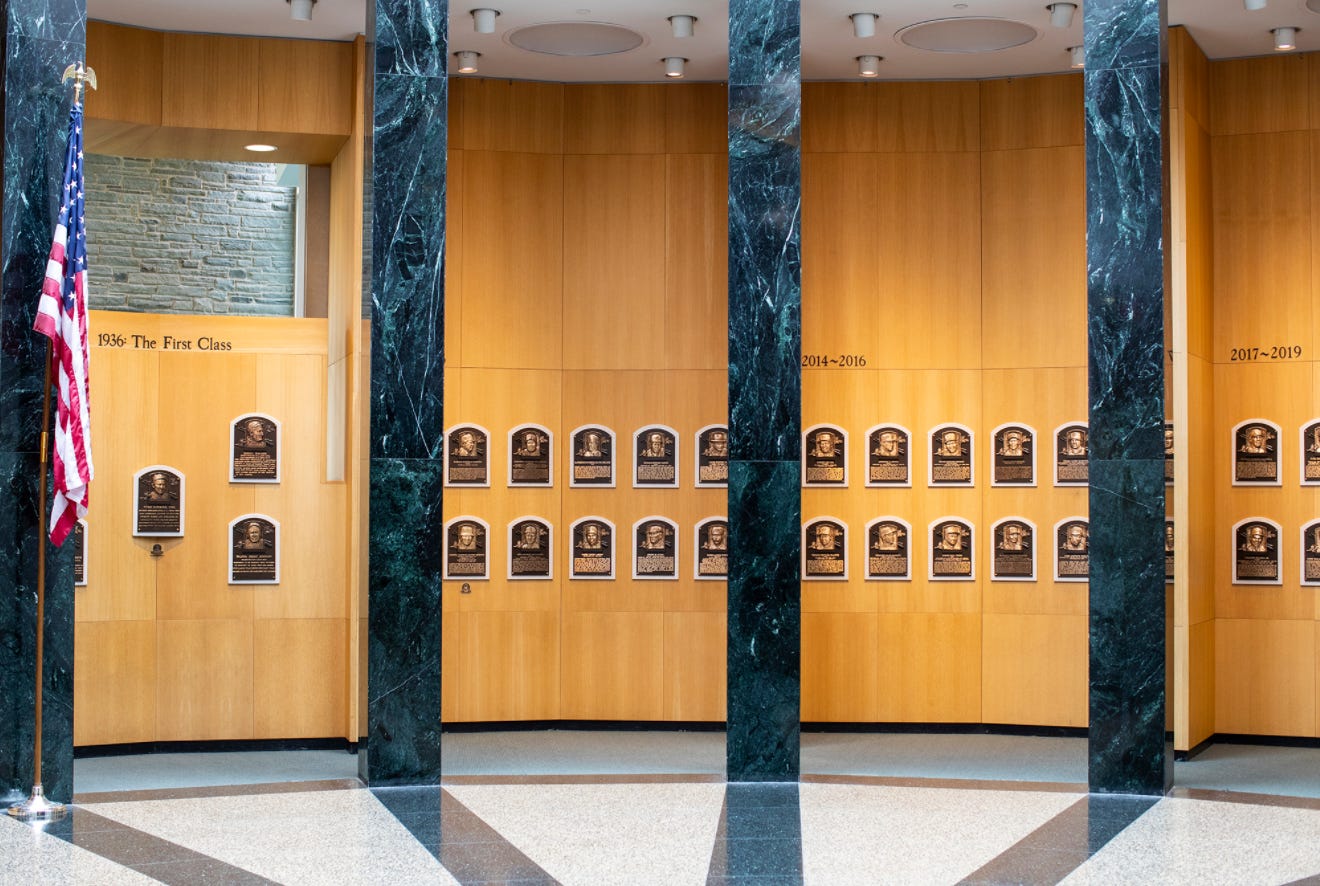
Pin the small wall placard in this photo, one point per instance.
(531, 449)
(1013, 550)
(1071, 467)
(712, 459)
(824, 549)
(531, 549)
(1169, 549)
(592, 457)
(254, 452)
(1256, 554)
(655, 457)
(825, 456)
(80, 554)
(711, 541)
(888, 549)
(467, 456)
(467, 548)
(655, 548)
(1072, 549)
(591, 548)
(888, 456)
(1256, 453)
(254, 550)
(952, 550)
(158, 501)
(1168, 453)
(1310, 450)
(1310, 549)
(951, 461)
(1013, 461)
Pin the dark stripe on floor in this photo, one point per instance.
(223, 790)
(466, 846)
(156, 858)
(1244, 797)
(956, 784)
(626, 778)
(1061, 845)
(759, 840)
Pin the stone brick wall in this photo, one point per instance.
(189, 237)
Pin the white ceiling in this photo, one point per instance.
(1223, 28)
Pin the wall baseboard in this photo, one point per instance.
(218, 746)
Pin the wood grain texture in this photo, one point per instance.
(1265, 677)
(614, 118)
(506, 115)
(1034, 669)
(696, 261)
(213, 82)
(305, 86)
(1261, 94)
(114, 682)
(1031, 112)
(204, 685)
(299, 678)
(501, 666)
(612, 666)
(696, 118)
(840, 672)
(694, 662)
(930, 668)
(128, 63)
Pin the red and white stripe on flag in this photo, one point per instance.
(62, 317)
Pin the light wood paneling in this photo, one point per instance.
(128, 68)
(1265, 677)
(1201, 694)
(456, 201)
(694, 663)
(505, 115)
(612, 666)
(501, 666)
(246, 335)
(614, 118)
(1035, 669)
(916, 117)
(299, 677)
(114, 682)
(1190, 76)
(305, 86)
(840, 118)
(840, 654)
(697, 119)
(696, 262)
(930, 668)
(1199, 538)
(1199, 232)
(204, 685)
(1031, 112)
(213, 82)
(1261, 94)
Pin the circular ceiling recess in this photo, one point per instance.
(967, 34)
(576, 38)
(1313, 5)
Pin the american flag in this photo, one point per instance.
(62, 317)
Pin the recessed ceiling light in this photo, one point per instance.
(577, 39)
(1285, 38)
(260, 149)
(970, 34)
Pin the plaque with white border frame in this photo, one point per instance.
(531, 549)
(531, 456)
(1072, 549)
(591, 457)
(1310, 450)
(467, 549)
(824, 549)
(159, 502)
(1013, 459)
(1170, 550)
(825, 456)
(951, 461)
(1310, 548)
(1169, 453)
(254, 452)
(591, 549)
(710, 542)
(888, 455)
(1256, 453)
(655, 548)
(888, 549)
(655, 457)
(1013, 549)
(952, 544)
(1072, 442)
(254, 550)
(79, 535)
(467, 456)
(712, 460)
(1257, 554)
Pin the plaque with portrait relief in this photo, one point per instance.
(655, 457)
(80, 554)
(467, 548)
(711, 540)
(1013, 461)
(824, 456)
(254, 550)
(824, 549)
(531, 449)
(1013, 550)
(591, 542)
(655, 548)
(1256, 453)
(888, 456)
(1256, 552)
(951, 456)
(1310, 549)
(1310, 450)
(254, 452)
(713, 456)
(591, 457)
(1169, 549)
(1071, 451)
(158, 501)
(1072, 549)
(888, 550)
(531, 547)
(1168, 453)
(467, 456)
(952, 550)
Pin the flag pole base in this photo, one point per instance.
(37, 808)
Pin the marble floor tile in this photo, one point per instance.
(29, 855)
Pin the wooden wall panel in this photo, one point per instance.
(1200, 239)
(1034, 669)
(614, 118)
(128, 64)
(456, 201)
(930, 668)
(1031, 112)
(697, 119)
(918, 117)
(696, 328)
(299, 677)
(507, 115)
(1265, 677)
(840, 118)
(1261, 94)
(695, 688)
(1201, 690)
(204, 684)
(840, 655)
(213, 82)
(501, 666)
(1203, 490)
(612, 666)
(114, 682)
(305, 86)
(1191, 82)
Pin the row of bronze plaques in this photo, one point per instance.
(253, 543)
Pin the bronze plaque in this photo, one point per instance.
(951, 550)
(1071, 467)
(1014, 551)
(1072, 550)
(712, 560)
(655, 548)
(888, 553)
(655, 461)
(1168, 453)
(467, 549)
(254, 456)
(530, 548)
(254, 551)
(951, 456)
(80, 554)
(1256, 553)
(1169, 547)
(593, 549)
(593, 457)
(824, 456)
(713, 456)
(158, 501)
(825, 550)
(1311, 453)
(467, 456)
(888, 459)
(1311, 553)
(1014, 461)
(530, 447)
(1255, 454)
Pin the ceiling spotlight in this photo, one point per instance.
(1061, 14)
(301, 10)
(863, 24)
(260, 149)
(868, 65)
(1254, 5)
(467, 61)
(674, 67)
(483, 20)
(682, 25)
(1078, 55)
(1285, 38)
